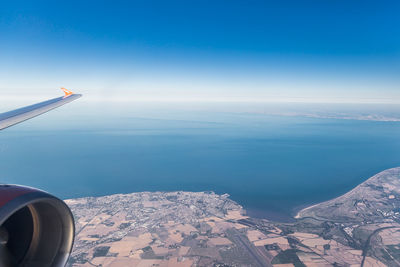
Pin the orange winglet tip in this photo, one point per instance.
(67, 92)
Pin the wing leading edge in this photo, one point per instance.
(13, 117)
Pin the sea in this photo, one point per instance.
(271, 164)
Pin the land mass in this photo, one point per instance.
(339, 116)
(360, 228)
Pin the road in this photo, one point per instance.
(367, 243)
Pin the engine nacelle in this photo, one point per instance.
(36, 228)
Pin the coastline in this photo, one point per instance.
(269, 215)
(297, 216)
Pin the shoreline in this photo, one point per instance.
(297, 216)
(269, 215)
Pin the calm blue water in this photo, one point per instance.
(269, 164)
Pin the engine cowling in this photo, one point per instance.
(36, 228)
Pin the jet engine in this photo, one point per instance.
(36, 228)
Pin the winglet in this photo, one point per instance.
(67, 92)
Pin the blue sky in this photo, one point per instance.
(312, 51)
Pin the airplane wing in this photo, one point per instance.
(36, 228)
(13, 117)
